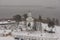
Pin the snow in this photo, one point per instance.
(35, 34)
(56, 29)
(1, 31)
(7, 38)
(6, 22)
(58, 32)
(3, 22)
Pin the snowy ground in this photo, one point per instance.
(35, 34)
(7, 38)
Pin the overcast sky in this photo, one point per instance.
(46, 8)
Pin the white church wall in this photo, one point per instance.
(38, 26)
(58, 29)
(22, 25)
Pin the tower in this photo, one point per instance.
(29, 21)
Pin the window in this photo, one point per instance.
(21, 39)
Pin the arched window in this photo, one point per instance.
(21, 39)
(17, 38)
(29, 25)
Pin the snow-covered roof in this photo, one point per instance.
(6, 22)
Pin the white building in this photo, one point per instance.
(29, 21)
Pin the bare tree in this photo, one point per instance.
(48, 19)
(40, 18)
(25, 16)
(53, 19)
(57, 22)
(34, 25)
(17, 18)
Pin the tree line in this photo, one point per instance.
(52, 21)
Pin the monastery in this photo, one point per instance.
(28, 30)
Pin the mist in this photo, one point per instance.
(45, 8)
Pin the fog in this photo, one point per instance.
(45, 8)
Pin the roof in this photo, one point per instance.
(7, 22)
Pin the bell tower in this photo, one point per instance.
(29, 21)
